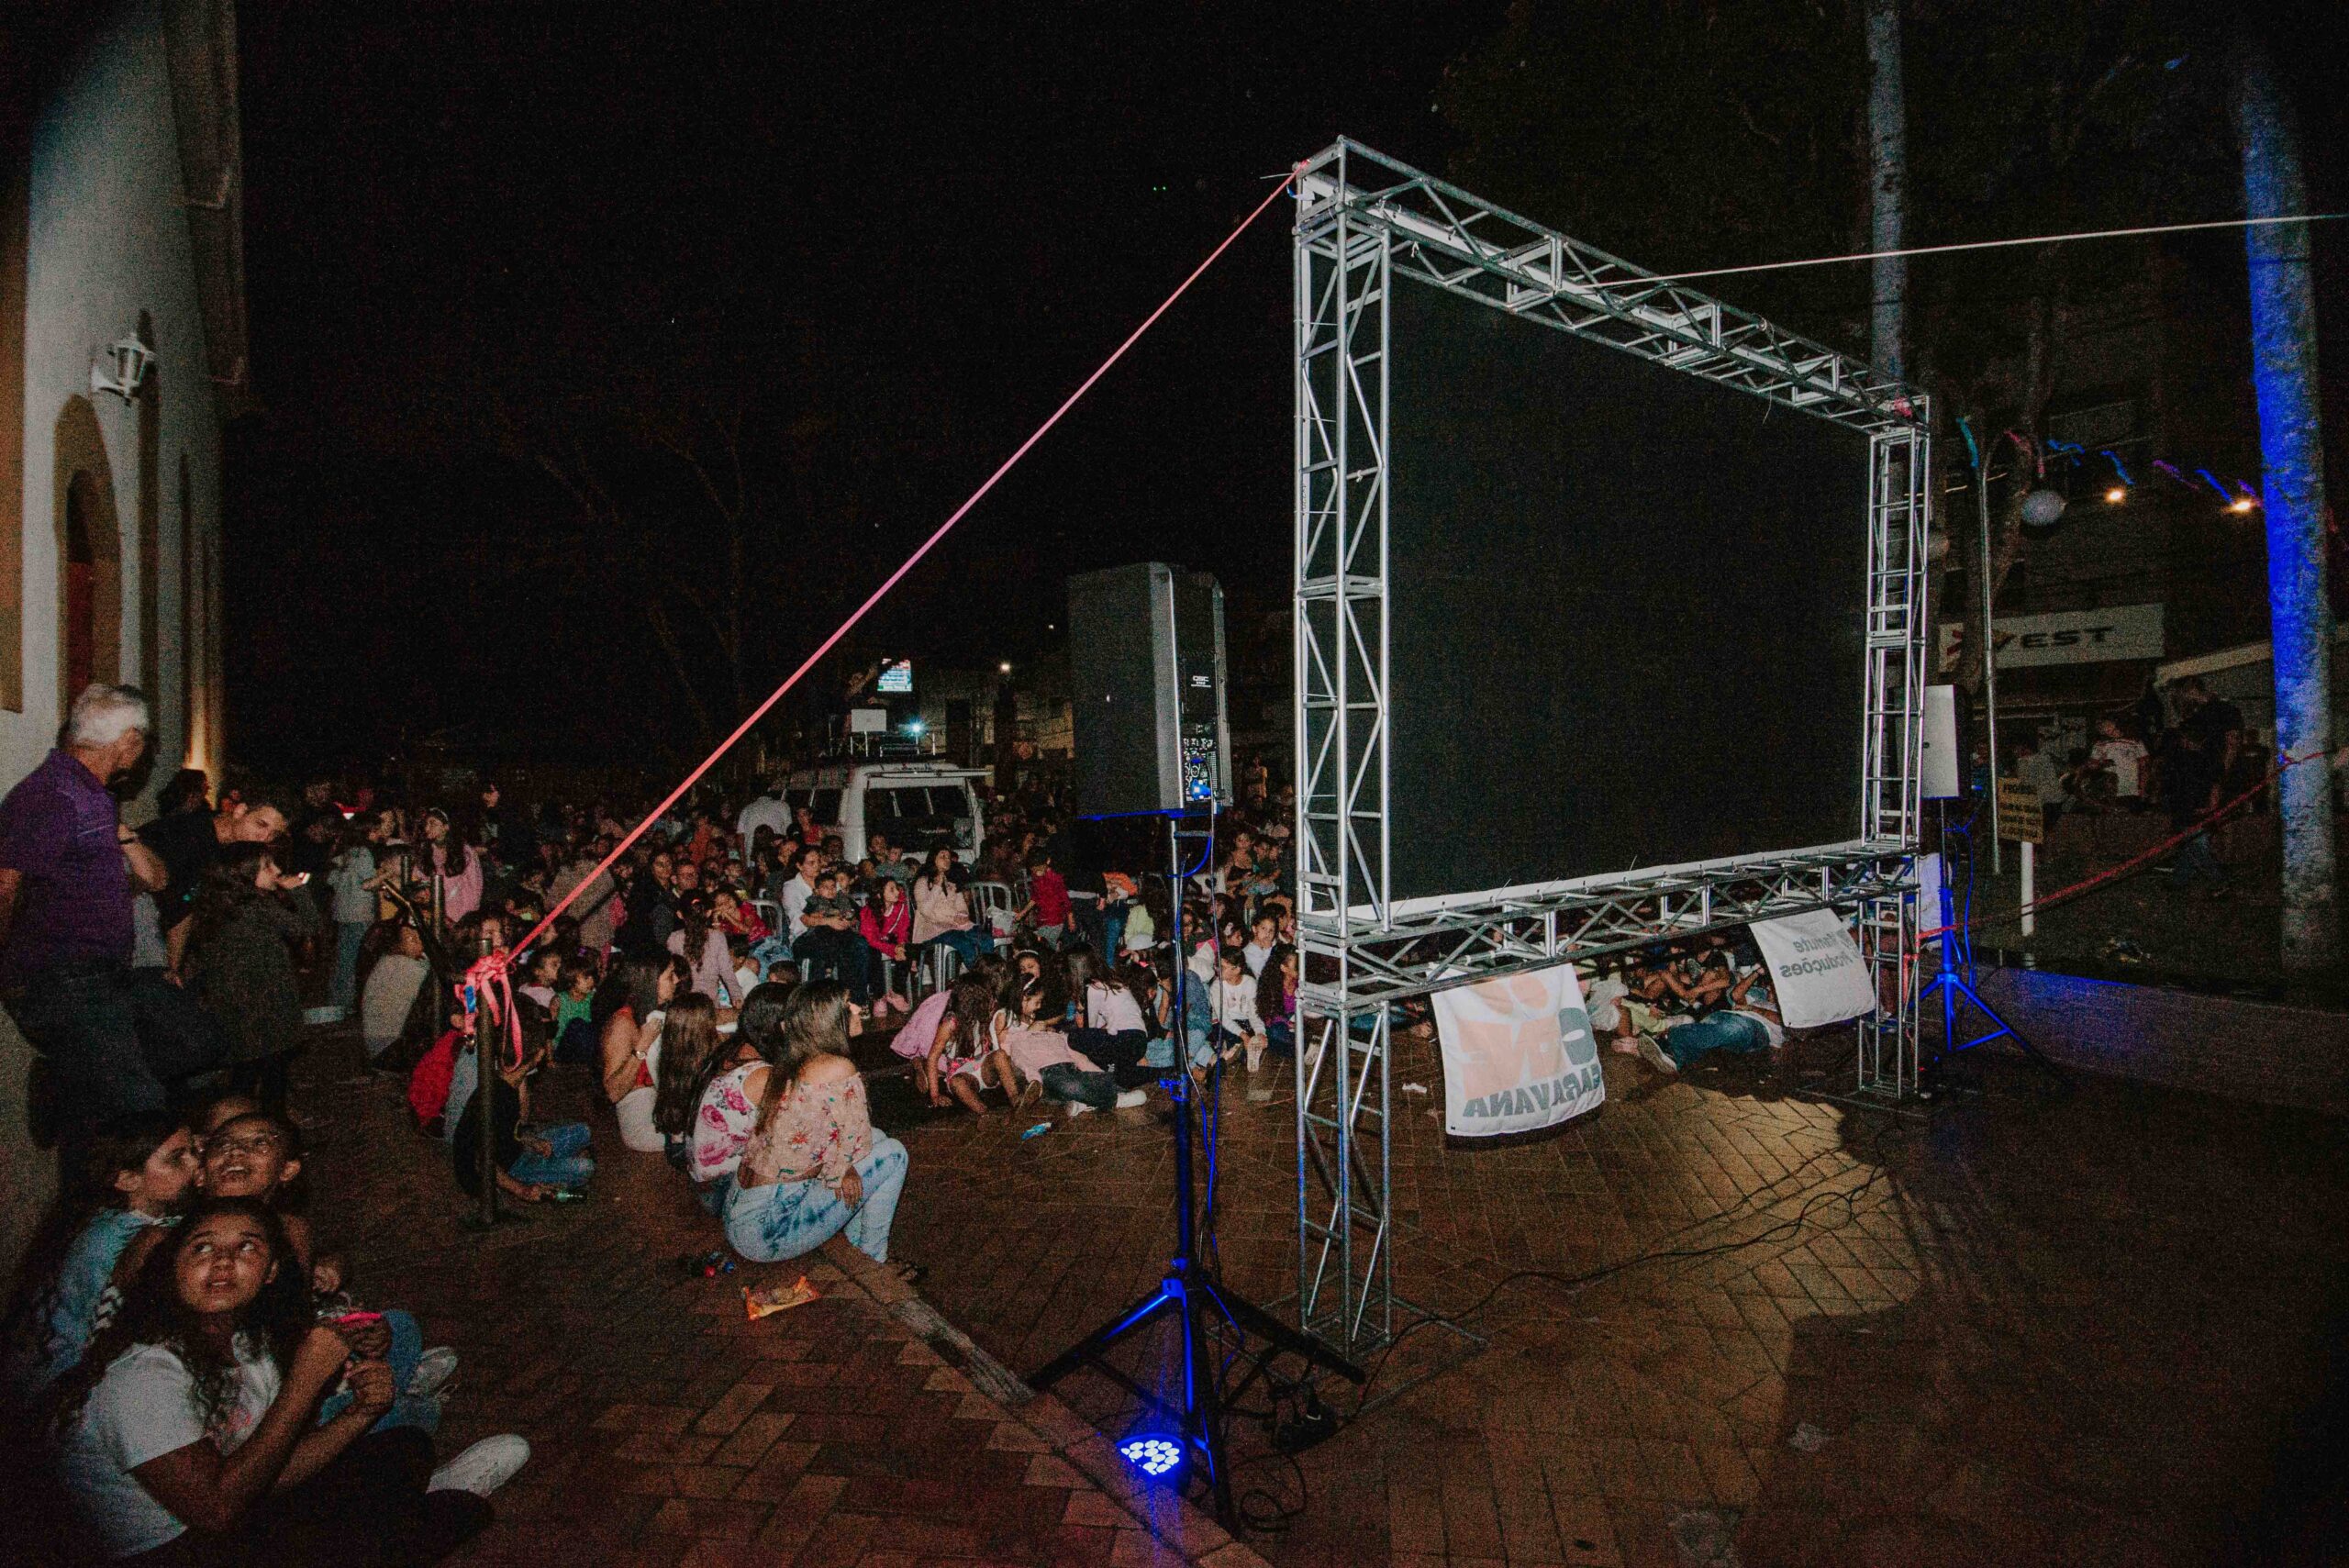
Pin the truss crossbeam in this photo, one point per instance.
(1363, 220)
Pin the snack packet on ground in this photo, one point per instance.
(757, 1303)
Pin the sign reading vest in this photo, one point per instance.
(1816, 969)
(1518, 1054)
(2062, 637)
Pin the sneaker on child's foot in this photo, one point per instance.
(483, 1468)
(1132, 1099)
(433, 1370)
(1655, 1056)
(1078, 1108)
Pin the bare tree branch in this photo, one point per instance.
(658, 615)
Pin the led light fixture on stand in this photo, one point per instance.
(1156, 1454)
(1216, 1327)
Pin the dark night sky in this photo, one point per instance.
(923, 231)
(903, 234)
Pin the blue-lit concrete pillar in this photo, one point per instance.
(2284, 374)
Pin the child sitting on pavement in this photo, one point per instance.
(189, 1434)
(533, 1164)
(254, 1154)
(127, 1186)
(1029, 1032)
(962, 1052)
(574, 1006)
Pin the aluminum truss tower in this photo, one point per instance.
(1363, 222)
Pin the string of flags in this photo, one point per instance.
(2242, 497)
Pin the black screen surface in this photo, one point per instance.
(1628, 609)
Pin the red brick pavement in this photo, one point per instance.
(2046, 1328)
(2074, 1328)
(666, 1428)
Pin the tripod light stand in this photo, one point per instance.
(1188, 1291)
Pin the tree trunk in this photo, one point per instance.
(1887, 183)
(2284, 375)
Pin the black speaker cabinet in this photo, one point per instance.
(1146, 654)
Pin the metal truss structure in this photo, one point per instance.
(1363, 222)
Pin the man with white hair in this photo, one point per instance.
(66, 869)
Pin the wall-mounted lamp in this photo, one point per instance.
(129, 358)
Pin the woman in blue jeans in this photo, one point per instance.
(815, 1165)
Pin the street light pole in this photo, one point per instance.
(1989, 658)
(1988, 645)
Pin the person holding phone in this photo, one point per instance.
(247, 922)
(188, 843)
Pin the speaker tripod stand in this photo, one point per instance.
(1189, 1292)
(1954, 985)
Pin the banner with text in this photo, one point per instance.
(1816, 969)
(1518, 1054)
(2062, 637)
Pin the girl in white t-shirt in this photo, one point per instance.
(1237, 1026)
(1108, 1025)
(194, 1416)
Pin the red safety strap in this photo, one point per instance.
(496, 963)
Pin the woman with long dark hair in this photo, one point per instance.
(815, 1165)
(189, 1436)
(689, 1050)
(452, 863)
(640, 988)
(732, 1087)
(246, 924)
(942, 910)
(709, 967)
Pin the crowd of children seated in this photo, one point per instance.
(205, 1368)
(1680, 1001)
(218, 1384)
(215, 1382)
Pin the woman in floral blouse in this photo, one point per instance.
(813, 1164)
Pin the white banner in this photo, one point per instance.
(1815, 968)
(2063, 636)
(1518, 1054)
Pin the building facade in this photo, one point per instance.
(122, 353)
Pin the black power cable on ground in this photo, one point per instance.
(1789, 1226)
(1264, 1511)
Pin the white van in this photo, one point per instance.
(917, 804)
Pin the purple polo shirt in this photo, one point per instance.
(59, 829)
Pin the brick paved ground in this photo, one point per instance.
(2089, 1329)
(669, 1430)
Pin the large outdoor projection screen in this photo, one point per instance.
(1627, 609)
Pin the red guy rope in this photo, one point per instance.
(496, 962)
(2111, 874)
